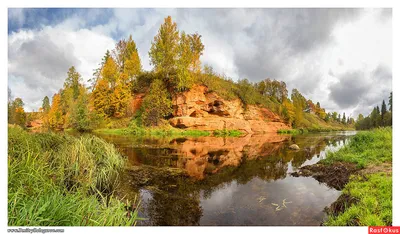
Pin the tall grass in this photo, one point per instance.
(370, 147)
(56, 180)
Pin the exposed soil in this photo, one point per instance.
(337, 175)
(334, 175)
(383, 167)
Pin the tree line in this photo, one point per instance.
(377, 118)
(175, 57)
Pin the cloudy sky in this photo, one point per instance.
(339, 57)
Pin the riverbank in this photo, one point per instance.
(59, 180)
(363, 169)
(166, 131)
(312, 130)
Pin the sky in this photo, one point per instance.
(341, 58)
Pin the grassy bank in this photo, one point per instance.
(167, 131)
(59, 180)
(369, 193)
(311, 123)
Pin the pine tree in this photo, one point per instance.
(344, 118)
(383, 112)
(46, 104)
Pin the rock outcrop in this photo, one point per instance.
(294, 147)
(203, 110)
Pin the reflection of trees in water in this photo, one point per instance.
(176, 201)
(160, 157)
(176, 207)
(312, 146)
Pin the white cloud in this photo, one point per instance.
(39, 59)
(309, 49)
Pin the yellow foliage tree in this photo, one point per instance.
(55, 116)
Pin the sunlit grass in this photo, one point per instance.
(370, 147)
(373, 192)
(374, 206)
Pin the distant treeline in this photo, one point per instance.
(377, 118)
(175, 57)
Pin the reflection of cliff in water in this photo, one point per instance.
(204, 156)
(209, 164)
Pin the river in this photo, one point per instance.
(226, 181)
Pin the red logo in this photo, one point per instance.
(384, 230)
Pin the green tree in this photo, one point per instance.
(183, 79)
(73, 81)
(165, 49)
(375, 117)
(335, 116)
(344, 118)
(157, 104)
(383, 112)
(80, 115)
(390, 102)
(46, 104)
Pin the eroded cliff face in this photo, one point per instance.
(202, 110)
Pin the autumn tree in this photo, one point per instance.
(55, 115)
(300, 104)
(176, 56)
(16, 112)
(273, 89)
(97, 71)
(197, 48)
(127, 58)
(288, 112)
(101, 98)
(111, 94)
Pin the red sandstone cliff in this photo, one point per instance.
(202, 110)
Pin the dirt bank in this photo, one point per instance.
(334, 175)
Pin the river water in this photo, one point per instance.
(228, 181)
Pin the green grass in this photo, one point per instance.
(369, 147)
(153, 132)
(373, 192)
(59, 180)
(374, 206)
(225, 133)
(292, 131)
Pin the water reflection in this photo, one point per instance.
(229, 181)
